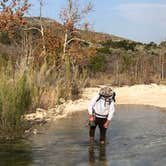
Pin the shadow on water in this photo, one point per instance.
(136, 137)
(15, 154)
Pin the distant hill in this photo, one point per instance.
(87, 35)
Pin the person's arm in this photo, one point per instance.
(91, 105)
(110, 115)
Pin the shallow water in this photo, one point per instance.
(136, 137)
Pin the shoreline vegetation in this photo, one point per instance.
(46, 66)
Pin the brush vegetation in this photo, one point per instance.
(15, 101)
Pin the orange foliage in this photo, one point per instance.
(52, 41)
(53, 45)
(11, 14)
(79, 54)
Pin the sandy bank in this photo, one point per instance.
(154, 95)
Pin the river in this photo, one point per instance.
(136, 137)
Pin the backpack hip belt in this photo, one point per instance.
(104, 116)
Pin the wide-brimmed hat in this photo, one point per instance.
(106, 91)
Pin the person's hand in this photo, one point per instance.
(91, 118)
(106, 124)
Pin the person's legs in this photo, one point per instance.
(92, 133)
(92, 130)
(102, 130)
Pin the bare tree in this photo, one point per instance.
(162, 56)
(41, 29)
(72, 16)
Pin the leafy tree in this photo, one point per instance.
(11, 15)
(72, 15)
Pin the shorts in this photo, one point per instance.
(100, 123)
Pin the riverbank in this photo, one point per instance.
(153, 95)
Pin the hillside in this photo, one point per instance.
(88, 35)
(12, 46)
(120, 61)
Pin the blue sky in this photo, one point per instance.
(139, 20)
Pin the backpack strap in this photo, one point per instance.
(100, 96)
(113, 96)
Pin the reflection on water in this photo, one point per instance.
(15, 154)
(98, 156)
(136, 137)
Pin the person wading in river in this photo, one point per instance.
(101, 110)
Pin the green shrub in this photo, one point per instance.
(4, 38)
(0, 106)
(3, 61)
(104, 50)
(15, 100)
(126, 62)
(122, 44)
(97, 63)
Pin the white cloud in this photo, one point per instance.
(148, 13)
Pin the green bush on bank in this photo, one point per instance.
(97, 63)
(15, 100)
(4, 38)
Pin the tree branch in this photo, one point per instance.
(78, 39)
(32, 28)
